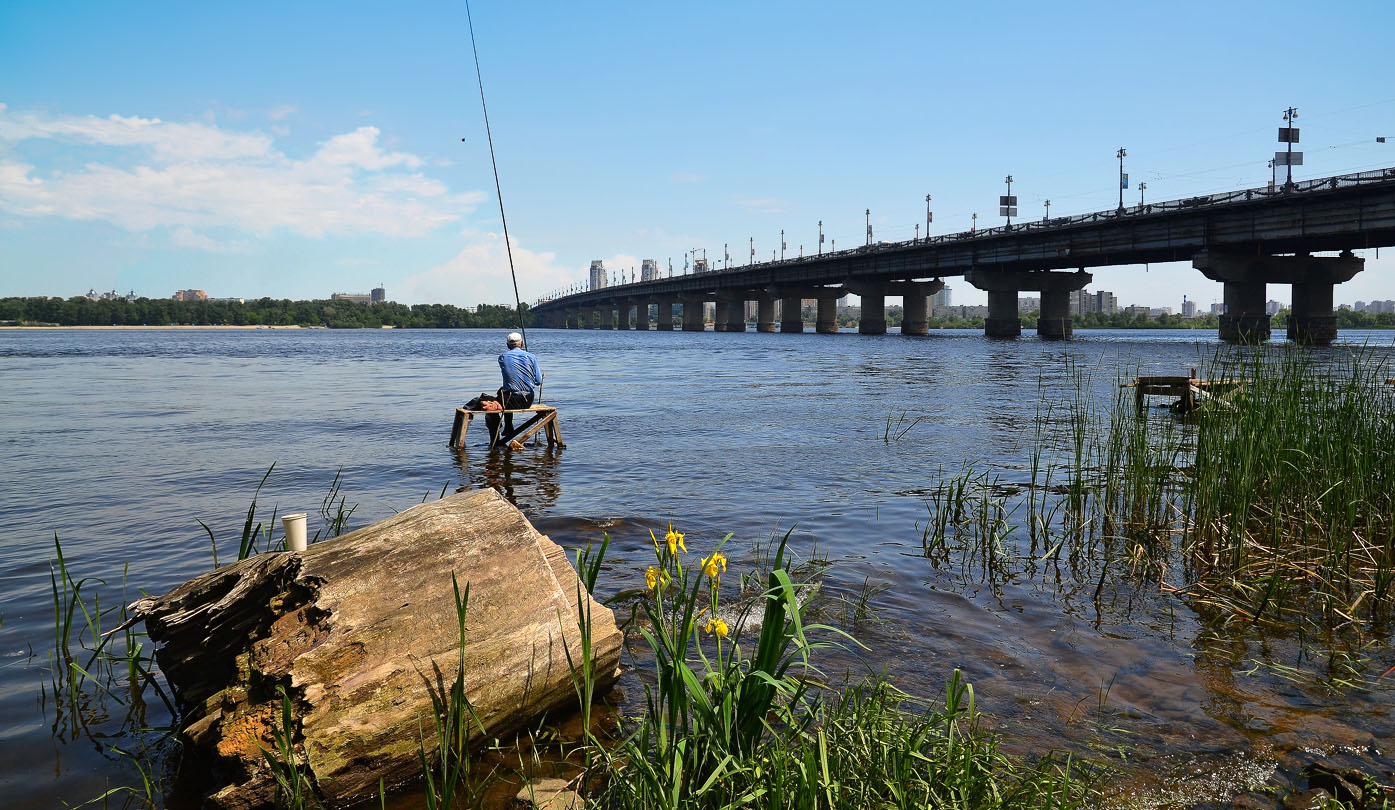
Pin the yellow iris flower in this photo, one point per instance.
(674, 540)
(715, 565)
(715, 625)
(656, 578)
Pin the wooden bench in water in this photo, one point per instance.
(1189, 391)
(544, 417)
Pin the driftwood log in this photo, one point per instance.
(360, 631)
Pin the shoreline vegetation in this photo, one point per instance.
(154, 313)
(1268, 515)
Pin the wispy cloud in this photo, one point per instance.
(281, 111)
(198, 176)
(191, 239)
(760, 205)
(479, 274)
(686, 177)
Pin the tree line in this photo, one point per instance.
(334, 314)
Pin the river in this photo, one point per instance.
(120, 441)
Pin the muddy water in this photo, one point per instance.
(119, 441)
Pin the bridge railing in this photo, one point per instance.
(1127, 212)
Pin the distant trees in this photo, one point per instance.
(335, 314)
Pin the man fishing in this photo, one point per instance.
(521, 376)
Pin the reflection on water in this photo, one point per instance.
(121, 441)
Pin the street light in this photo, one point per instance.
(1048, 212)
(1289, 134)
(928, 216)
(753, 250)
(1007, 206)
(782, 244)
(869, 226)
(1273, 175)
(974, 227)
(1141, 186)
(820, 237)
(726, 257)
(1123, 179)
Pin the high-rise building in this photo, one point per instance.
(1083, 301)
(1028, 303)
(598, 277)
(358, 298)
(649, 270)
(1106, 303)
(1188, 308)
(379, 294)
(941, 299)
(190, 295)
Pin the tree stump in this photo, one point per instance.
(360, 631)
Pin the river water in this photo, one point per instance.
(119, 442)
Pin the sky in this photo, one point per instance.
(298, 149)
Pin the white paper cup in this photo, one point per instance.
(295, 531)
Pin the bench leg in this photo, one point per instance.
(457, 430)
(554, 432)
(533, 427)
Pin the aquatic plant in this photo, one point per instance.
(734, 715)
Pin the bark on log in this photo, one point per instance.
(360, 630)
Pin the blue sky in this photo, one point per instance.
(296, 149)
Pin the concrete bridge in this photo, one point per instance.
(1243, 239)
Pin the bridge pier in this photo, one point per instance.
(791, 314)
(827, 321)
(664, 321)
(692, 314)
(765, 312)
(642, 314)
(1003, 287)
(736, 312)
(872, 321)
(915, 304)
(622, 314)
(1311, 321)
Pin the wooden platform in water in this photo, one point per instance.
(543, 417)
(1189, 390)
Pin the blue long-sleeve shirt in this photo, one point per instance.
(520, 370)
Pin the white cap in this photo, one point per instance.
(514, 337)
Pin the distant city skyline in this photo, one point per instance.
(331, 157)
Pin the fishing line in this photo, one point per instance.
(499, 192)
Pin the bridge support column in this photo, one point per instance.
(791, 314)
(692, 315)
(765, 313)
(1002, 320)
(915, 304)
(827, 321)
(1003, 287)
(872, 321)
(642, 314)
(664, 322)
(1244, 276)
(721, 313)
(589, 317)
(1054, 321)
(622, 314)
(1245, 319)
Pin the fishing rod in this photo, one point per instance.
(499, 192)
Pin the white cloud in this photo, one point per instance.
(188, 238)
(479, 274)
(198, 176)
(281, 111)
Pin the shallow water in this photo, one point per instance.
(118, 441)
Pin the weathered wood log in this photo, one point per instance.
(360, 631)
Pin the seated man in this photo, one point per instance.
(521, 376)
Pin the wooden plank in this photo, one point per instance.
(526, 432)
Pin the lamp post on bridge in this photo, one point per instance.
(753, 250)
(1289, 134)
(917, 232)
(726, 257)
(1007, 205)
(1123, 179)
(782, 244)
(869, 226)
(929, 215)
(1048, 212)
(820, 237)
(974, 226)
(1141, 186)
